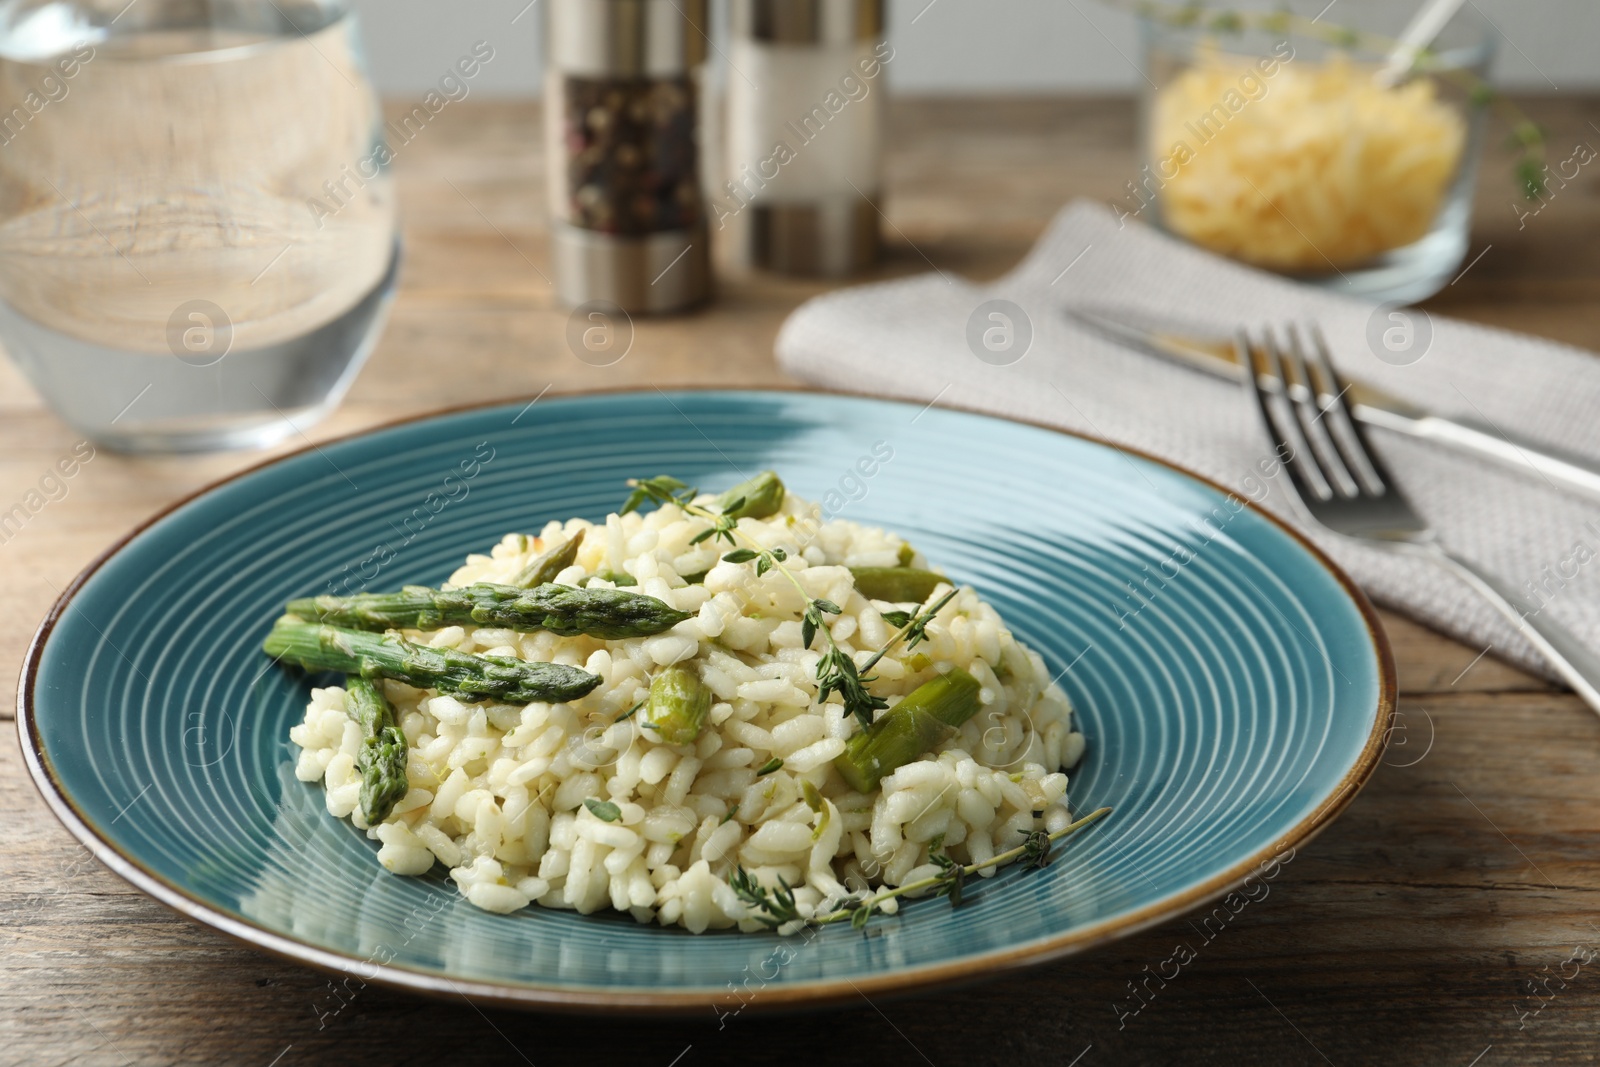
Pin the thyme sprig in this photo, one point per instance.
(774, 907)
(951, 877)
(777, 907)
(913, 628)
(1527, 138)
(663, 489)
(836, 671)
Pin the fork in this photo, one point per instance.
(1345, 486)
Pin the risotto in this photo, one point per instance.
(716, 752)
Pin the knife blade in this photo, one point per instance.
(1369, 404)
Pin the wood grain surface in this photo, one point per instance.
(1443, 920)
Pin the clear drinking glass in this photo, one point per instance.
(198, 236)
(1272, 139)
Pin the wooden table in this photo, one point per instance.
(1411, 932)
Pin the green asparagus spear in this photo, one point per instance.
(679, 703)
(546, 566)
(382, 760)
(758, 498)
(897, 585)
(606, 613)
(512, 681)
(925, 717)
(367, 705)
(382, 763)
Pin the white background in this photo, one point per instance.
(950, 46)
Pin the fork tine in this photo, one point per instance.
(1352, 439)
(1309, 410)
(1265, 376)
(1386, 517)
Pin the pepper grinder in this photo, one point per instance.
(805, 135)
(623, 86)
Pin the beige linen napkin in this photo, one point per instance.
(909, 339)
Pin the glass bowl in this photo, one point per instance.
(1274, 139)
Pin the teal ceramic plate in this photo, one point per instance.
(1234, 687)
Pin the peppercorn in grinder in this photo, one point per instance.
(623, 87)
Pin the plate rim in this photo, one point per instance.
(809, 993)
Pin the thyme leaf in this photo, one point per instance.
(603, 810)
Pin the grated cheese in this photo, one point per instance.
(1315, 167)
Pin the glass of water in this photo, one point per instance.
(198, 238)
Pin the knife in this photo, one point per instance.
(1217, 356)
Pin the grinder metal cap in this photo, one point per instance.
(626, 38)
(807, 21)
